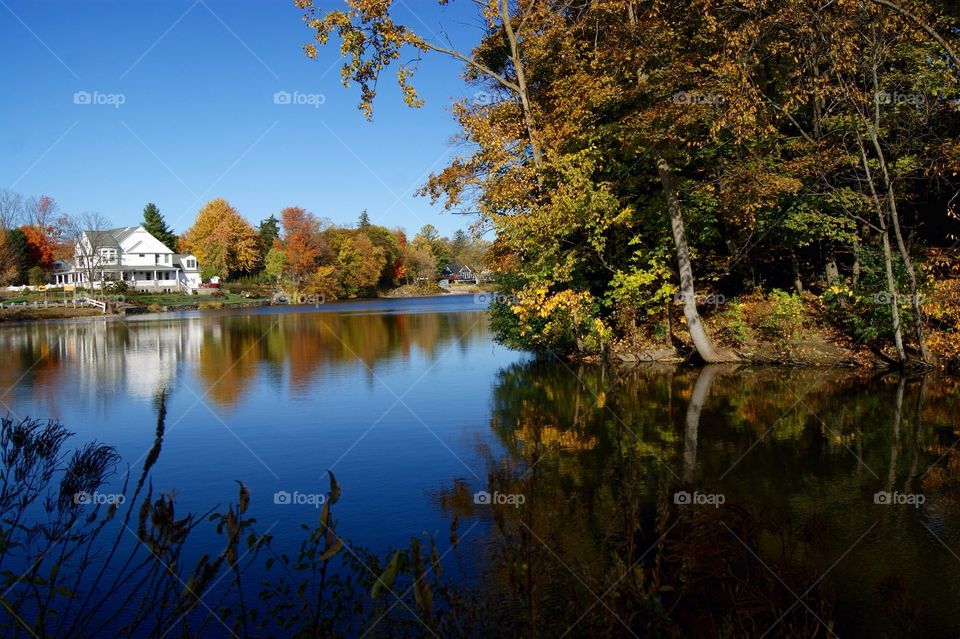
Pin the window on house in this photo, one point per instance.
(143, 254)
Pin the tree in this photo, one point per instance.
(359, 265)
(438, 245)
(11, 209)
(472, 253)
(301, 243)
(386, 241)
(40, 247)
(419, 262)
(364, 220)
(154, 223)
(268, 233)
(88, 235)
(18, 260)
(223, 241)
(36, 276)
(275, 264)
(370, 40)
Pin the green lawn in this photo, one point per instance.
(178, 299)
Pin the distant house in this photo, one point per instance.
(457, 272)
(129, 254)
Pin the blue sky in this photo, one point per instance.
(198, 118)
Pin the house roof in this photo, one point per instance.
(111, 238)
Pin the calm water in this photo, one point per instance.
(414, 408)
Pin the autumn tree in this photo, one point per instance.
(223, 241)
(419, 262)
(386, 240)
(300, 243)
(359, 265)
(41, 250)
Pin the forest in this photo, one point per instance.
(700, 175)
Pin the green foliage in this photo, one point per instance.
(36, 276)
(863, 311)
(267, 233)
(154, 223)
(18, 253)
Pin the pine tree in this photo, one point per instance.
(155, 224)
(364, 219)
(268, 232)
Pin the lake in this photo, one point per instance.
(661, 500)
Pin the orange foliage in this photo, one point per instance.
(41, 249)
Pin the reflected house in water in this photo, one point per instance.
(132, 255)
(132, 359)
(151, 356)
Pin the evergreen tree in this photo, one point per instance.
(268, 232)
(155, 224)
(17, 251)
(364, 219)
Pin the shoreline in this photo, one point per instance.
(19, 315)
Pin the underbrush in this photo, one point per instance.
(777, 317)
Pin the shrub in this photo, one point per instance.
(781, 317)
(563, 323)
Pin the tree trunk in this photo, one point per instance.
(795, 265)
(887, 259)
(855, 271)
(895, 223)
(830, 268)
(528, 119)
(698, 334)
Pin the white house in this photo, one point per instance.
(132, 255)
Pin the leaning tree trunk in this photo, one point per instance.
(901, 245)
(695, 326)
(887, 260)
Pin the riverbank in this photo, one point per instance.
(27, 308)
(798, 330)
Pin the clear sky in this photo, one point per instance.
(197, 80)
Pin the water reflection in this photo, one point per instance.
(803, 543)
(224, 352)
(602, 545)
